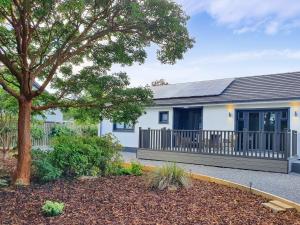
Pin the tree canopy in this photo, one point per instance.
(48, 40)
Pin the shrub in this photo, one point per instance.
(118, 170)
(136, 168)
(37, 132)
(85, 156)
(167, 176)
(61, 130)
(89, 131)
(43, 169)
(3, 183)
(53, 208)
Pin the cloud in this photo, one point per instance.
(216, 66)
(236, 57)
(270, 16)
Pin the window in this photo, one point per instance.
(123, 127)
(164, 117)
(262, 119)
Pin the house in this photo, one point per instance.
(251, 120)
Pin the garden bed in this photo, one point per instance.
(128, 200)
(7, 167)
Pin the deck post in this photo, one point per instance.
(140, 137)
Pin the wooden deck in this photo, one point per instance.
(265, 151)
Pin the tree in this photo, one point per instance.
(159, 82)
(70, 45)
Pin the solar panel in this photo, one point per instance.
(192, 89)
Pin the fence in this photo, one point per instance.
(247, 144)
(43, 133)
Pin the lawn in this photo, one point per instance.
(128, 200)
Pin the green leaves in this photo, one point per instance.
(5, 3)
(71, 45)
(51, 208)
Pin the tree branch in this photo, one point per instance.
(65, 105)
(10, 66)
(8, 89)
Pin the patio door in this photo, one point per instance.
(187, 119)
(271, 121)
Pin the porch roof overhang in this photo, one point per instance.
(202, 102)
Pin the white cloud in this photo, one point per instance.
(216, 66)
(271, 16)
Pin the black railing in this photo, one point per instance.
(254, 144)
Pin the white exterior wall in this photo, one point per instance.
(54, 116)
(148, 120)
(215, 117)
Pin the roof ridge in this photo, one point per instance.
(232, 78)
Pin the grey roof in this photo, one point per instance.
(285, 86)
(192, 89)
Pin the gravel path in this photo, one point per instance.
(283, 185)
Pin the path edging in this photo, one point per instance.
(231, 184)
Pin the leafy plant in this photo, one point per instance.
(78, 156)
(51, 208)
(43, 169)
(37, 132)
(61, 130)
(3, 183)
(89, 131)
(136, 168)
(169, 175)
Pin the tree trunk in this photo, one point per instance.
(22, 173)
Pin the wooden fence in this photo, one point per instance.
(46, 129)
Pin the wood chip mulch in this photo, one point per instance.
(127, 200)
(7, 166)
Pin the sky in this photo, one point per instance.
(234, 38)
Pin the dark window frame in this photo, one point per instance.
(116, 129)
(262, 110)
(160, 117)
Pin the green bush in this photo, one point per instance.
(89, 131)
(37, 132)
(85, 156)
(53, 208)
(134, 169)
(3, 183)
(61, 130)
(167, 176)
(43, 169)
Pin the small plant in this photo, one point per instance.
(3, 183)
(136, 168)
(53, 208)
(168, 176)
